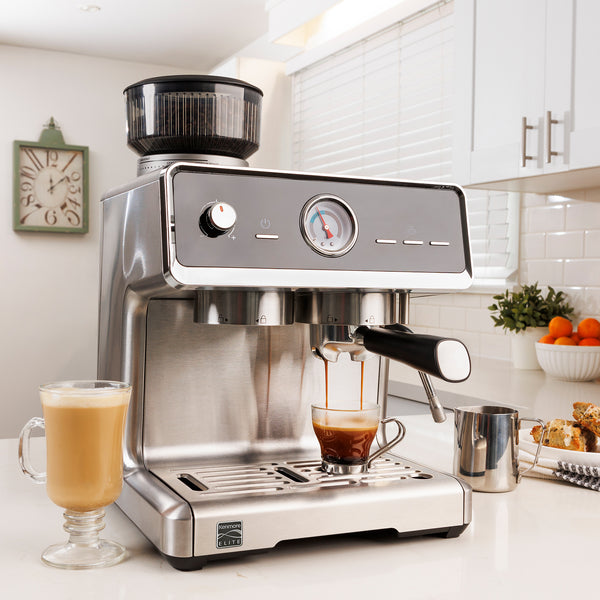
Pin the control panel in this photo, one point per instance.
(265, 219)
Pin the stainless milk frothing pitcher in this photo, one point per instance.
(486, 447)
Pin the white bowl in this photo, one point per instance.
(570, 363)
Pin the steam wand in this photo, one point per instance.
(430, 355)
(435, 406)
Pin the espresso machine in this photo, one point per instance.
(225, 291)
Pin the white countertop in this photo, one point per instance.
(532, 542)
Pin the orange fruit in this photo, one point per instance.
(589, 328)
(546, 339)
(575, 337)
(589, 342)
(560, 327)
(565, 341)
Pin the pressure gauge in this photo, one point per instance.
(328, 225)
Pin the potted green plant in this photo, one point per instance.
(525, 313)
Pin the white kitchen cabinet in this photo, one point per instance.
(527, 97)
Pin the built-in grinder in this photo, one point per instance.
(224, 292)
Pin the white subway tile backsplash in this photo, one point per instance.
(453, 317)
(592, 244)
(545, 272)
(533, 245)
(532, 200)
(585, 272)
(480, 320)
(467, 300)
(495, 346)
(545, 218)
(583, 215)
(425, 315)
(590, 307)
(564, 244)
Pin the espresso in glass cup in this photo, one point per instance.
(84, 423)
(346, 435)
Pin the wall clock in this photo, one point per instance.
(50, 184)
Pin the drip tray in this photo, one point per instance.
(211, 482)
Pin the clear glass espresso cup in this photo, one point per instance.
(346, 435)
(84, 423)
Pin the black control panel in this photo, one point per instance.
(259, 219)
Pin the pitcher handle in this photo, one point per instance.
(24, 456)
(539, 446)
(399, 437)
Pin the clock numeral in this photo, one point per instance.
(51, 158)
(73, 218)
(25, 217)
(27, 172)
(37, 163)
(26, 186)
(75, 154)
(74, 189)
(50, 216)
(74, 202)
(27, 200)
(75, 176)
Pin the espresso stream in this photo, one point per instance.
(348, 442)
(362, 382)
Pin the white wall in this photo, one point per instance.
(49, 300)
(275, 150)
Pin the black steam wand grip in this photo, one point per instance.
(445, 358)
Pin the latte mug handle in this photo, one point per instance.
(539, 446)
(399, 437)
(24, 460)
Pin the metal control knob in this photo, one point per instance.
(217, 219)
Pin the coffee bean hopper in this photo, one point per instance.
(224, 292)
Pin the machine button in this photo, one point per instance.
(217, 219)
(382, 241)
(439, 243)
(266, 236)
(412, 242)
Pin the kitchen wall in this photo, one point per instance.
(49, 300)
(559, 246)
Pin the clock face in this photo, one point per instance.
(52, 194)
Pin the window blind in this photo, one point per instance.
(383, 107)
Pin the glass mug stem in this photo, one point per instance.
(24, 453)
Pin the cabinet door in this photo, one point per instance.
(508, 84)
(558, 90)
(585, 125)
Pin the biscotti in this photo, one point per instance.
(587, 415)
(567, 435)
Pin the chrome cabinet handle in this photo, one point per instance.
(549, 122)
(524, 156)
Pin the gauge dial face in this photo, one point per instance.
(329, 225)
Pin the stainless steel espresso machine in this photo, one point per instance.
(225, 290)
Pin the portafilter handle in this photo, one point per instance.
(446, 358)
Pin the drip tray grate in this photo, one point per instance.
(277, 477)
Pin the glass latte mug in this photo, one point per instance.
(84, 423)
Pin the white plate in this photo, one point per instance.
(527, 443)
